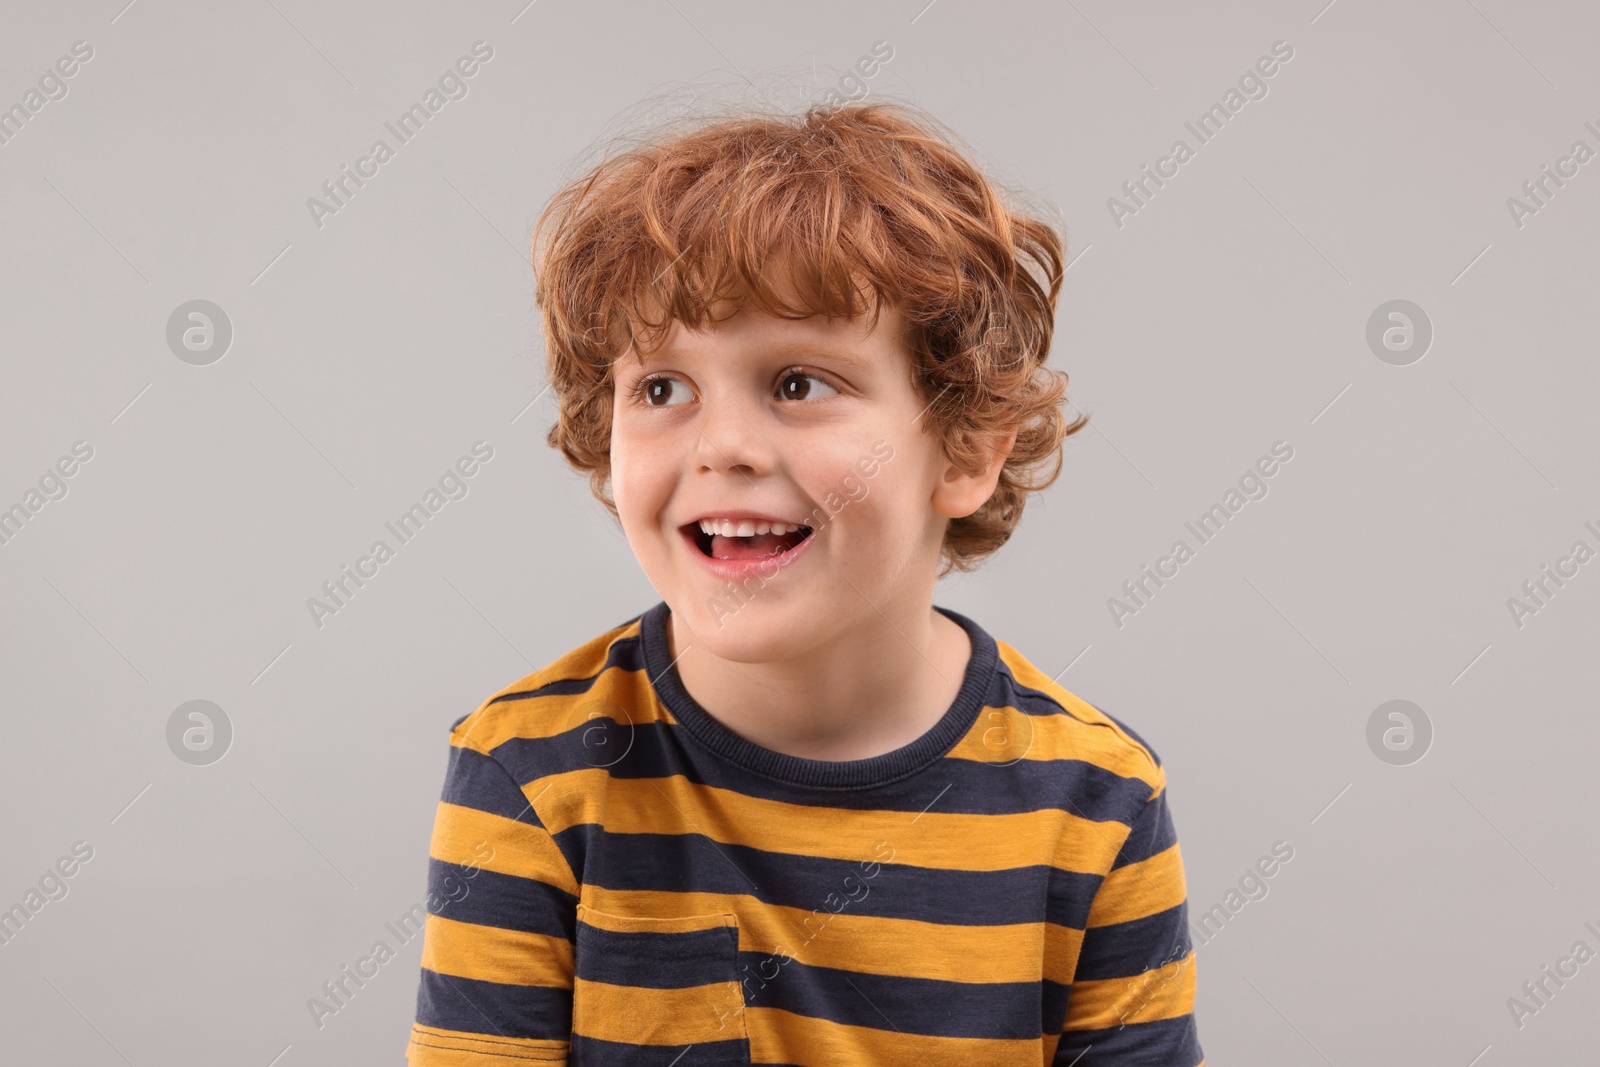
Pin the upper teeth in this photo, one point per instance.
(746, 528)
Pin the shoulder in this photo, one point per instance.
(1063, 726)
(586, 681)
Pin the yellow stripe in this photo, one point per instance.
(1140, 889)
(492, 954)
(1084, 732)
(623, 696)
(1003, 735)
(516, 848)
(775, 1033)
(940, 841)
(854, 942)
(684, 1015)
(1062, 945)
(495, 722)
(1166, 992)
(433, 1047)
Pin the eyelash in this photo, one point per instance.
(644, 383)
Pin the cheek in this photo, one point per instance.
(642, 475)
(627, 475)
(867, 510)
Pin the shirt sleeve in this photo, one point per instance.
(497, 951)
(1131, 1002)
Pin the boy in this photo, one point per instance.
(794, 813)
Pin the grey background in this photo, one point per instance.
(1228, 314)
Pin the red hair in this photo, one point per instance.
(834, 211)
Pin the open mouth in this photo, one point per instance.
(754, 546)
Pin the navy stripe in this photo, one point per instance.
(1053, 1006)
(1000, 1010)
(474, 780)
(657, 961)
(1152, 834)
(870, 772)
(691, 863)
(593, 1052)
(1123, 950)
(1162, 1043)
(1006, 690)
(448, 1002)
(659, 750)
(1069, 897)
(489, 898)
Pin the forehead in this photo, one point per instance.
(858, 341)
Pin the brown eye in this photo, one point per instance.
(658, 392)
(797, 385)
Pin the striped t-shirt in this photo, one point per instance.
(621, 879)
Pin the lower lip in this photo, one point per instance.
(739, 570)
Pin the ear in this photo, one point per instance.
(959, 494)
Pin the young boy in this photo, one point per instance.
(795, 813)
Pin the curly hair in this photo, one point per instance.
(860, 206)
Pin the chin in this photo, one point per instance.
(762, 628)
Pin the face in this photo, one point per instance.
(761, 421)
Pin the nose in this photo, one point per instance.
(732, 436)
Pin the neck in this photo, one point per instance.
(874, 687)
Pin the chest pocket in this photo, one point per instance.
(645, 987)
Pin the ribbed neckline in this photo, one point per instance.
(869, 773)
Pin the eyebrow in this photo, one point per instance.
(794, 350)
